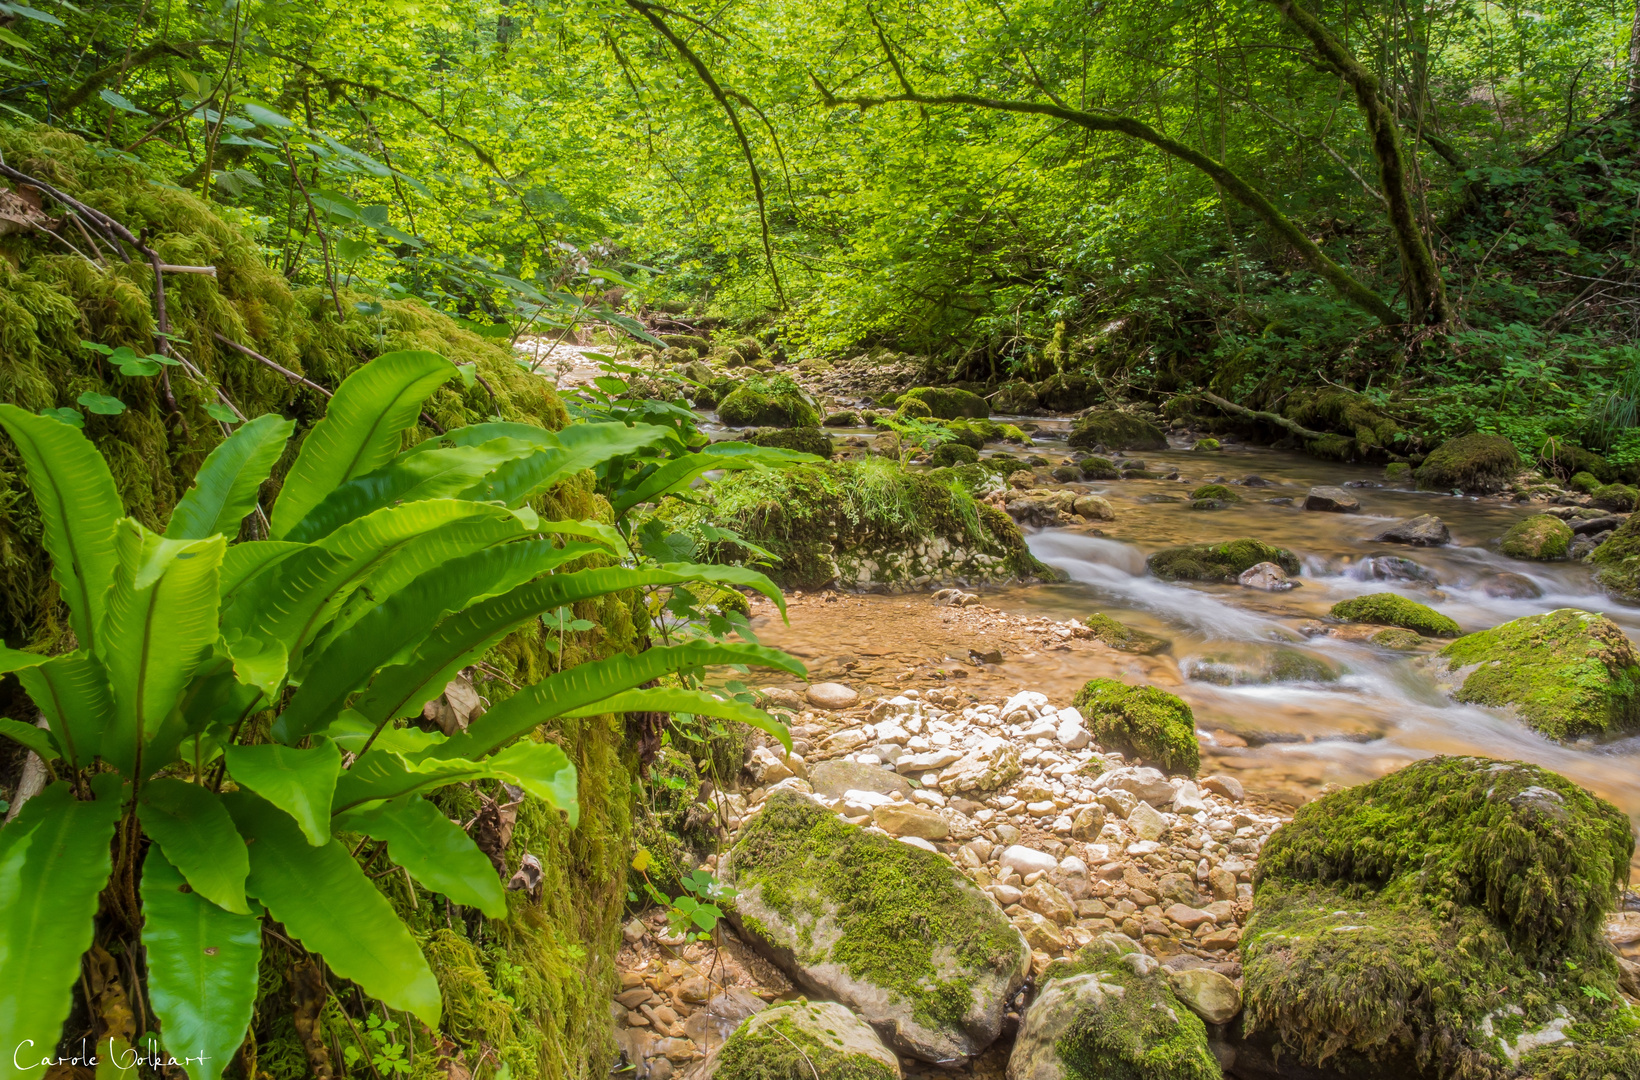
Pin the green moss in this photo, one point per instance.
(968, 434)
(1618, 497)
(1388, 609)
(1290, 665)
(888, 906)
(1563, 458)
(698, 345)
(779, 1046)
(1125, 638)
(1397, 639)
(1141, 721)
(911, 408)
(1206, 445)
(776, 402)
(1217, 562)
(1617, 561)
(1359, 428)
(1397, 472)
(1063, 392)
(846, 418)
(1569, 673)
(1584, 482)
(1392, 919)
(1217, 492)
(809, 440)
(1477, 464)
(1116, 431)
(1016, 398)
(948, 402)
(1098, 468)
(1540, 536)
(955, 454)
(1143, 1033)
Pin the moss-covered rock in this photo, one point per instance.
(911, 408)
(1217, 562)
(690, 342)
(896, 933)
(1110, 1017)
(1397, 639)
(818, 1039)
(808, 440)
(1098, 468)
(1116, 431)
(954, 453)
(1476, 464)
(1142, 721)
(1017, 398)
(1587, 483)
(756, 403)
(1215, 492)
(1619, 497)
(1207, 445)
(868, 524)
(1416, 924)
(1125, 638)
(1541, 536)
(1067, 393)
(1568, 673)
(1617, 561)
(1397, 472)
(1564, 458)
(948, 402)
(1389, 609)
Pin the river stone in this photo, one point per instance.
(831, 696)
(981, 770)
(1333, 499)
(1567, 673)
(1510, 586)
(814, 1039)
(909, 819)
(1088, 823)
(1395, 568)
(1025, 861)
(1207, 993)
(1425, 530)
(1141, 781)
(833, 778)
(1227, 787)
(1475, 464)
(932, 761)
(896, 933)
(1093, 508)
(1047, 900)
(1110, 1021)
(1146, 822)
(1267, 576)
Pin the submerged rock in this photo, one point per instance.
(1116, 431)
(1388, 609)
(1538, 537)
(1215, 493)
(1510, 586)
(1333, 499)
(1425, 530)
(1394, 568)
(1106, 1016)
(1474, 464)
(1281, 666)
(821, 1040)
(1098, 468)
(895, 932)
(1149, 724)
(1125, 638)
(1397, 639)
(1422, 923)
(1568, 673)
(1217, 562)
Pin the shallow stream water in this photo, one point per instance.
(1378, 712)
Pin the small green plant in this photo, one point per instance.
(382, 1048)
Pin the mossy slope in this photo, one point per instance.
(1568, 673)
(1393, 919)
(1141, 721)
(896, 933)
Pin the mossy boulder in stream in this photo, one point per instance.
(954, 453)
(1217, 562)
(1125, 638)
(1619, 497)
(1430, 922)
(1107, 1016)
(809, 440)
(1540, 537)
(868, 524)
(1116, 431)
(896, 933)
(1475, 464)
(1617, 561)
(773, 403)
(820, 1040)
(948, 402)
(1142, 722)
(1568, 673)
(1388, 609)
(1566, 459)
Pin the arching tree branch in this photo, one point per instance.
(1237, 188)
(145, 55)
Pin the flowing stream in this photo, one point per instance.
(1378, 710)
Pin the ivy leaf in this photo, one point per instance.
(101, 404)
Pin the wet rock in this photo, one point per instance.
(1567, 673)
(1474, 464)
(1093, 508)
(836, 777)
(1110, 1016)
(835, 906)
(1617, 561)
(1267, 576)
(1396, 639)
(1115, 430)
(1227, 787)
(1394, 568)
(1041, 513)
(747, 407)
(1206, 993)
(1539, 537)
(1510, 586)
(909, 819)
(1425, 530)
(1254, 481)
(832, 696)
(1595, 526)
(1332, 499)
(1217, 562)
(1389, 609)
(818, 1039)
(1125, 638)
(1618, 497)
(1098, 468)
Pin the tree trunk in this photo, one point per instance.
(1426, 292)
(1634, 62)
